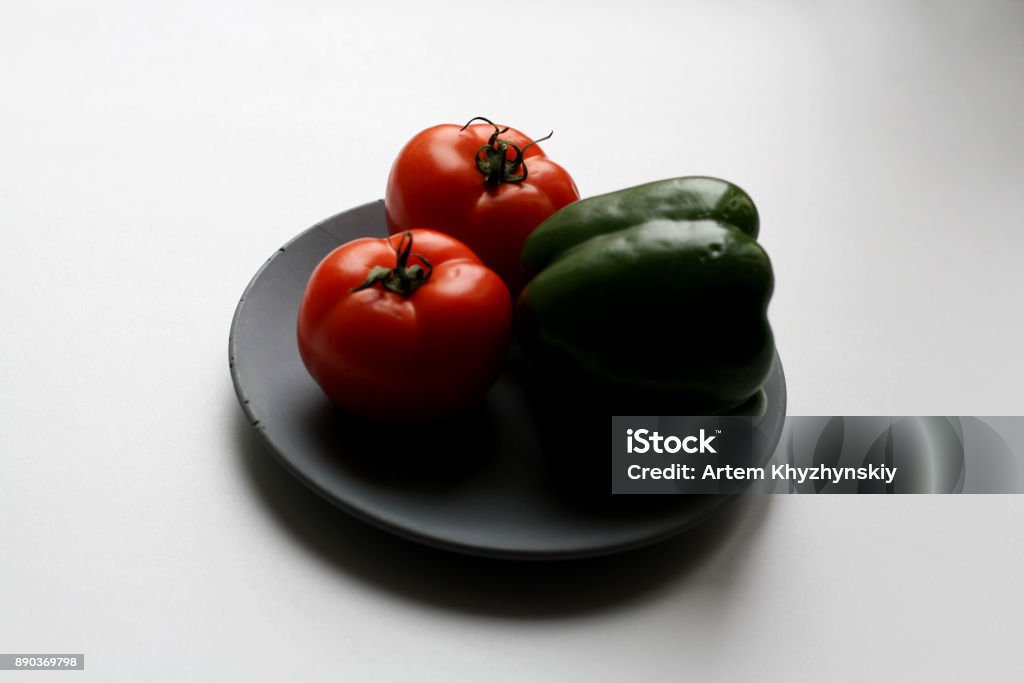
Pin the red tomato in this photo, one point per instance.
(405, 328)
(485, 185)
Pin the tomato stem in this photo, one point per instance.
(492, 159)
(402, 279)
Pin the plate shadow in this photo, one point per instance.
(500, 588)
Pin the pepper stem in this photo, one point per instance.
(402, 279)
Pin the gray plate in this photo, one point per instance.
(504, 480)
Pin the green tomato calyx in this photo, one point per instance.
(492, 159)
(403, 279)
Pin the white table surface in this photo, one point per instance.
(152, 155)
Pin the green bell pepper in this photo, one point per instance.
(658, 291)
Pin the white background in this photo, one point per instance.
(152, 155)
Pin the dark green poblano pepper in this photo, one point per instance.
(659, 291)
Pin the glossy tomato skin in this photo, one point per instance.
(398, 358)
(435, 183)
